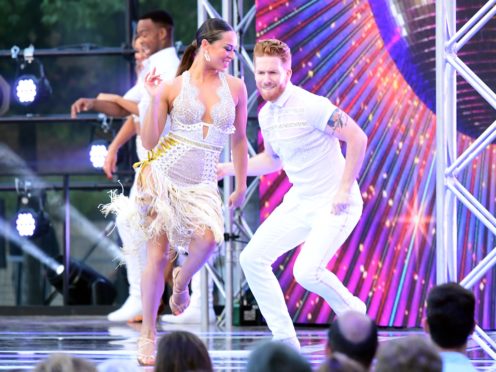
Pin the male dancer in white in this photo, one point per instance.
(301, 135)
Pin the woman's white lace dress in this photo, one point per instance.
(177, 184)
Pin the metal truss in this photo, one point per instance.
(235, 225)
(449, 190)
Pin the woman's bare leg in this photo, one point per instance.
(199, 251)
(152, 288)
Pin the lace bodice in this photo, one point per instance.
(194, 154)
(188, 110)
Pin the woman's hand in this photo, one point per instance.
(110, 163)
(237, 198)
(153, 83)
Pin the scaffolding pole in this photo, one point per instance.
(448, 163)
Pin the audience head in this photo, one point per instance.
(156, 29)
(408, 354)
(450, 315)
(354, 335)
(338, 362)
(118, 365)
(215, 42)
(64, 363)
(182, 351)
(277, 357)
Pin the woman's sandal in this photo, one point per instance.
(178, 307)
(143, 356)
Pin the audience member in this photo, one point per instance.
(277, 357)
(338, 362)
(355, 335)
(182, 351)
(118, 365)
(408, 354)
(450, 321)
(64, 363)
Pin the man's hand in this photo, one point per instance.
(222, 170)
(110, 164)
(341, 202)
(82, 104)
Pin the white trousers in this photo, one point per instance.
(296, 221)
(134, 256)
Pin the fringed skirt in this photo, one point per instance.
(163, 207)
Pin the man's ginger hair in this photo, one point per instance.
(273, 48)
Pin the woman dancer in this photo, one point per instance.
(178, 204)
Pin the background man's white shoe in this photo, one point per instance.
(128, 311)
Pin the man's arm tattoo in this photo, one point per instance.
(337, 120)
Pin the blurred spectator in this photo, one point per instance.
(450, 321)
(182, 351)
(355, 335)
(277, 357)
(64, 363)
(408, 354)
(338, 362)
(118, 365)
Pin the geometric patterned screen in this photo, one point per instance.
(389, 260)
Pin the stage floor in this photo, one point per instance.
(24, 341)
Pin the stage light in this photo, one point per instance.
(86, 286)
(26, 223)
(30, 220)
(26, 89)
(98, 152)
(31, 83)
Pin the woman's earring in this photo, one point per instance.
(207, 56)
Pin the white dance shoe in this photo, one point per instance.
(128, 312)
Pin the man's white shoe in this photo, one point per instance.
(128, 311)
(192, 315)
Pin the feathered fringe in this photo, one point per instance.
(178, 211)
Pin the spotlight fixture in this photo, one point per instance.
(97, 153)
(26, 222)
(31, 83)
(26, 89)
(30, 220)
(86, 286)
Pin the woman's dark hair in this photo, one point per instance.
(181, 351)
(211, 30)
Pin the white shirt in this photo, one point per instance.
(166, 62)
(294, 125)
(456, 362)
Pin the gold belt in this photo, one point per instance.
(165, 144)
